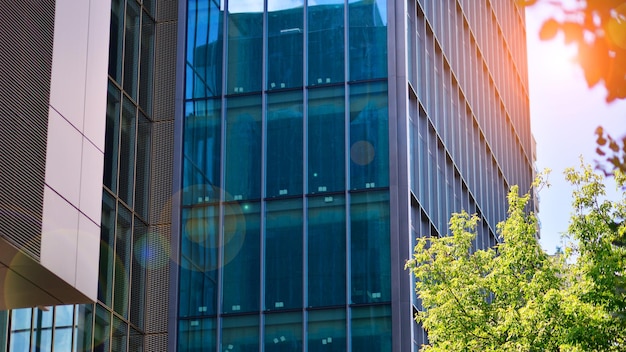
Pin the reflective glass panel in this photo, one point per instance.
(283, 255)
(131, 48)
(283, 332)
(142, 172)
(370, 247)
(204, 49)
(107, 243)
(326, 251)
(369, 138)
(327, 331)
(326, 141)
(196, 335)
(240, 333)
(243, 148)
(284, 144)
(112, 138)
(242, 248)
(116, 40)
(201, 152)
(123, 241)
(285, 27)
(102, 330)
(245, 46)
(371, 328)
(127, 152)
(326, 42)
(199, 261)
(147, 63)
(120, 335)
(368, 39)
(84, 326)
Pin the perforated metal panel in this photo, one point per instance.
(164, 71)
(157, 281)
(161, 173)
(156, 343)
(26, 40)
(167, 10)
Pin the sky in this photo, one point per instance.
(564, 115)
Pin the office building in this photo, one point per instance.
(269, 163)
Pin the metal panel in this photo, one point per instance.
(26, 40)
(164, 71)
(157, 282)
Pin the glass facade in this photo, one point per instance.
(285, 229)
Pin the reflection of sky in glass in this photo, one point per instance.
(239, 6)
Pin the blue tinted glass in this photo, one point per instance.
(283, 255)
(371, 328)
(199, 261)
(201, 152)
(370, 247)
(284, 43)
(369, 139)
(242, 248)
(327, 331)
(19, 341)
(284, 144)
(245, 46)
(240, 333)
(21, 318)
(131, 48)
(326, 140)
(63, 339)
(243, 148)
(368, 39)
(204, 49)
(116, 40)
(283, 332)
(326, 251)
(196, 335)
(84, 323)
(326, 42)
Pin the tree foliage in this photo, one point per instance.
(598, 30)
(514, 297)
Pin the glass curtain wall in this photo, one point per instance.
(285, 176)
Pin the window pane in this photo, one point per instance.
(204, 49)
(201, 161)
(370, 247)
(138, 274)
(120, 335)
(368, 39)
(135, 341)
(245, 46)
(283, 332)
(196, 335)
(102, 330)
(84, 323)
(326, 42)
(283, 255)
(371, 328)
(112, 138)
(327, 331)
(142, 174)
(116, 40)
(284, 144)
(131, 48)
(127, 152)
(123, 254)
(199, 251)
(147, 63)
(284, 43)
(326, 141)
(240, 334)
(243, 148)
(242, 246)
(327, 251)
(107, 243)
(369, 139)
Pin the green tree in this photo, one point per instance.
(598, 30)
(514, 297)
